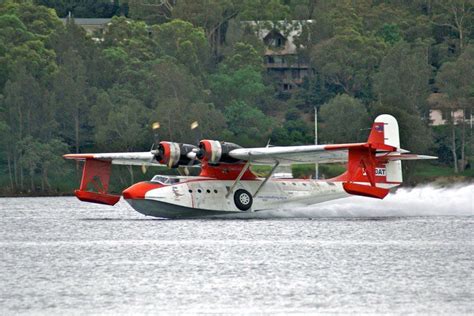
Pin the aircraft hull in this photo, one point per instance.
(172, 211)
(199, 199)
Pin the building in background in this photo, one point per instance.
(443, 111)
(93, 27)
(281, 60)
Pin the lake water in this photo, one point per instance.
(411, 253)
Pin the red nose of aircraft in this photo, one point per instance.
(138, 190)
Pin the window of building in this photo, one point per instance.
(295, 73)
(467, 114)
(445, 114)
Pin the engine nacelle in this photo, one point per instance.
(175, 154)
(214, 151)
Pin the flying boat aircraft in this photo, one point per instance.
(227, 186)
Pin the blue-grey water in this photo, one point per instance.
(412, 253)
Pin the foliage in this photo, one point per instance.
(403, 78)
(345, 120)
(246, 123)
(85, 8)
(180, 61)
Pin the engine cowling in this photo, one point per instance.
(214, 151)
(175, 154)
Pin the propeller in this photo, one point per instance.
(172, 153)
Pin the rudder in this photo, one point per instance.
(385, 131)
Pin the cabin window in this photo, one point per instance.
(190, 191)
(199, 191)
(165, 179)
(208, 191)
(215, 191)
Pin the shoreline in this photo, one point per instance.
(441, 182)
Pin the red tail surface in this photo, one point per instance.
(365, 169)
(96, 173)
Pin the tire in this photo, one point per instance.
(243, 200)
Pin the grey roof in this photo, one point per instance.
(86, 21)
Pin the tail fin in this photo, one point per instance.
(375, 166)
(385, 131)
(368, 175)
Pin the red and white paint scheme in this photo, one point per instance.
(226, 186)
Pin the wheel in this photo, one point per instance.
(243, 199)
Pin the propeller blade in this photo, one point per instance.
(155, 127)
(197, 132)
(192, 155)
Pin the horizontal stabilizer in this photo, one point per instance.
(395, 157)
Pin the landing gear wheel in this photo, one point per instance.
(243, 199)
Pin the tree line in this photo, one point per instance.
(180, 61)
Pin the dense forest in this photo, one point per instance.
(62, 90)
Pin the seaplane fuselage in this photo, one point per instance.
(175, 197)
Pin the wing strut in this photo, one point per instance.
(266, 178)
(241, 174)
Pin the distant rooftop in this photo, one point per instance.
(86, 21)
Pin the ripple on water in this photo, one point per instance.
(59, 256)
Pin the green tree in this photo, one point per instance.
(70, 90)
(212, 15)
(248, 125)
(347, 62)
(456, 81)
(403, 78)
(345, 119)
(25, 31)
(183, 41)
(245, 84)
(294, 131)
(84, 8)
(120, 121)
(457, 15)
(151, 11)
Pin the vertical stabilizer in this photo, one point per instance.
(385, 131)
(386, 126)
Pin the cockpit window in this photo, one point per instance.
(165, 179)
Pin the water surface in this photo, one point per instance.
(59, 256)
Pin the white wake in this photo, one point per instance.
(455, 200)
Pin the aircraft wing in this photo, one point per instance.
(129, 158)
(286, 155)
(337, 153)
